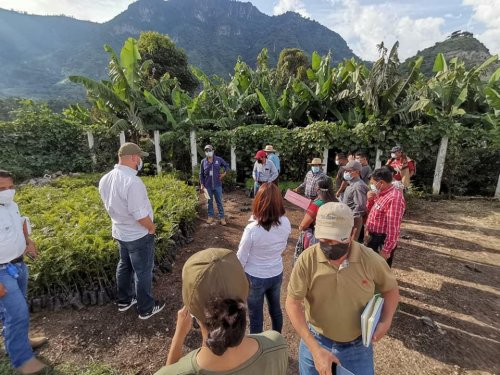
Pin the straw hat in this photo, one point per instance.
(269, 148)
(316, 161)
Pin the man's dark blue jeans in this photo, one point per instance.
(270, 288)
(136, 267)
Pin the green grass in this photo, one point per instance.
(94, 368)
(283, 185)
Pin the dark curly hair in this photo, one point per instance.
(226, 322)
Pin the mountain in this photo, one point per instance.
(41, 51)
(459, 44)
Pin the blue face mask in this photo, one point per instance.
(315, 169)
(347, 176)
(140, 165)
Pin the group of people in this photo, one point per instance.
(333, 276)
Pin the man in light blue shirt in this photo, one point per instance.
(271, 155)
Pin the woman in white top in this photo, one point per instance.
(260, 252)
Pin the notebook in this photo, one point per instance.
(297, 199)
(370, 318)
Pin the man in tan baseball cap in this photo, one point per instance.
(214, 292)
(126, 200)
(330, 284)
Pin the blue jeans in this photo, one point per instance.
(15, 315)
(353, 355)
(136, 267)
(270, 288)
(217, 193)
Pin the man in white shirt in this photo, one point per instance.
(14, 313)
(264, 171)
(126, 200)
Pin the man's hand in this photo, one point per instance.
(384, 254)
(184, 323)
(30, 249)
(152, 229)
(323, 360)
(222, 175)
(371, 195)
(382, 328)
(202, 188)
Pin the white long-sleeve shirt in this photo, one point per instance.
(260, 251)
(265, 172)
(125, 198)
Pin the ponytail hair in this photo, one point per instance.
(226, 321)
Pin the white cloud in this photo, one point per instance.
(94, 10)
(365, 26)
(488, 13)
(291, 6)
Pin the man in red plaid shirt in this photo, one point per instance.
(385, 207)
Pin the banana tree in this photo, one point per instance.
(120, 101)
(443, 100)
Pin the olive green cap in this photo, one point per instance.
(212, 273)
(130, 148)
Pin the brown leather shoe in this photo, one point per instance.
(32, 367)
(37, 342)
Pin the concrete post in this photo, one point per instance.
(157, 151)
(438, 172)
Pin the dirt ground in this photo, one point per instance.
(447, 264)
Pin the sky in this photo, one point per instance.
(416, 24)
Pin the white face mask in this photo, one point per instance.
(141, 164)
(393, 155)
(315, 169)
(347, 176)
(374, 188)
(7, 196)
(209, 153)
(337, 162)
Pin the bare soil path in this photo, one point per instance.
(448, 267)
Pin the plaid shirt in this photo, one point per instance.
(310, 184)
(385, 213)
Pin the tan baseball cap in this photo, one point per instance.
(212, 273)
(130, 148)
(334, 221)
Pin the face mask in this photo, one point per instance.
(393, 155)
(209, 154)
(334, 252)
(337, 162)
(7, 196)
(374, 188)
(141, 164)
(315, 169)
(347, 176)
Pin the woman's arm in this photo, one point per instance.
(184, 324)
(306, 222)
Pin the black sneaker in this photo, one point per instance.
(125, 306)
(159, 305)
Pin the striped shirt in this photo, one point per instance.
(310, 184)
(385, 213)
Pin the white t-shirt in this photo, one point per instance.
(125, 198)
(12, 240)
(260, 251)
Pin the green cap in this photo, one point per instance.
(130, 148)
(212, 273)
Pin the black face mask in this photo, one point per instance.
(259, 161)
(334, 252)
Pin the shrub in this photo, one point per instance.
(73, 232)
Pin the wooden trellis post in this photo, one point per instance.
(90, 138)
(233, 158)
(194, 150)
(438, 172)
(157, 151)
